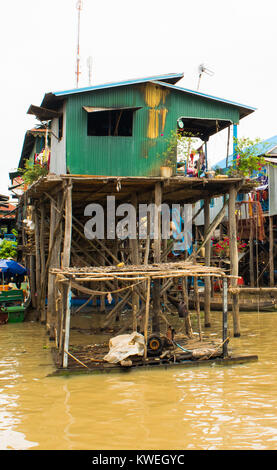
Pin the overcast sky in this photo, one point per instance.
(128, 39)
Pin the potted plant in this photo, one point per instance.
(222, 247)
(169, 156)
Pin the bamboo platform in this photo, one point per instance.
(89, 359)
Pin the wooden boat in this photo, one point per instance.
(12, 308)
(246, 304)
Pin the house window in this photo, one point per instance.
(60, 131)
(116, 122)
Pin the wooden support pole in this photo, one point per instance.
(225, 317)
(55, 242)
(135, 260)
(32, 280)
(188, 327)
(41, 300)
(37, 248)
(218, 219)
(67, 227)
(207, 291)
(197, 306)
(234, 264)
(147, 306)
(251, 253)
(271, 256)
(157, 258)
(67, 324)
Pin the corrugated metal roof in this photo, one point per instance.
(168, 78)
(210, 97)
(262, 148)
(163, 80)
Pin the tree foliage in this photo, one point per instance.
(32, 171)
(247, 159)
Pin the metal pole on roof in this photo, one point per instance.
(79, 7)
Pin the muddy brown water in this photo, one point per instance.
(210, 407)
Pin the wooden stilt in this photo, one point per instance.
(55, 242)
(251, 254)
(225, 317)
(157, 258)
(32, 280)
(37, 248)
(147, 306)
(41, 300)
(234, 265)
(135, 260)
(188, 327)
(197, 306)
(67, 228)
(207, 292)
(271, 256)
(67, 324)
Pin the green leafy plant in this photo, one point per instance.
(32, 171)
(247, 160)
(8, 249)
(183, 144)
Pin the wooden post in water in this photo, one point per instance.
(207, 292)
(225, 317)
(251, 253)
(67, 324)
(41, 302)
(37, 248)
(157, 258)
(234, 264)
(55, 255)
(133, 243)
(146, 320)
(271, 256)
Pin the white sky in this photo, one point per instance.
(128, 39)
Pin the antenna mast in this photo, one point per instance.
(79, 7)
(203, 69)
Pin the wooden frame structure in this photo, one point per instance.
(57, 205)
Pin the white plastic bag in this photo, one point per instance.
(123, 346)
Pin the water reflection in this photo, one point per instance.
(205, 408)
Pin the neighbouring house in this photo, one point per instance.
(122, 129)
(7, 215)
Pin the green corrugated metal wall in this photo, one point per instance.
(136, 155)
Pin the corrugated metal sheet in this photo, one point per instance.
(138, 155)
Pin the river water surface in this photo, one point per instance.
(210, 407)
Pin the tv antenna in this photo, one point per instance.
(79, 7)
(89, 65)
(203, 69)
